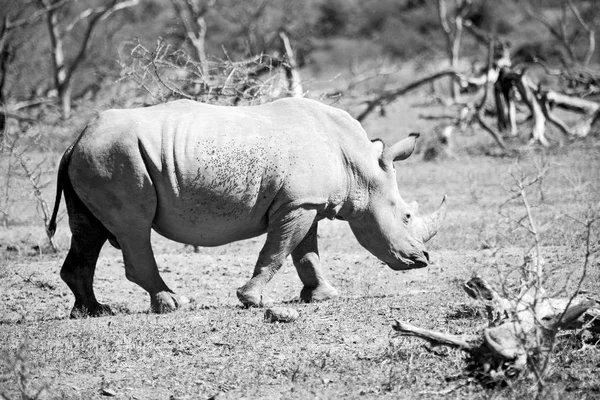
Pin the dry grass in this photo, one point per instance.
(337, 349)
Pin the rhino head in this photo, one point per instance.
(388, 227)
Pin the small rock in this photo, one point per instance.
(281, 314)
(108, 392)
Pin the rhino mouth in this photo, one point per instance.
(421, 261)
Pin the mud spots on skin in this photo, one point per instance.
(229, 179)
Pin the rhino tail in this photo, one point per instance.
(61, 182)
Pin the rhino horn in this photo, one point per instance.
(426, 227)
(403, 149)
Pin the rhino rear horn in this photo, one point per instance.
(403, 149)
(433, 222)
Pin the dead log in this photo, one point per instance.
(464, 342)
(516, 325)
(590, 109)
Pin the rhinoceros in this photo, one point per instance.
(208, 175)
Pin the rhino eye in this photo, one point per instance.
(407, 217)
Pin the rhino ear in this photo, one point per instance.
(402, 149)
(378, 145)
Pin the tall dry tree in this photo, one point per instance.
(60, 28)
(452, 24)
(575, 33)
(17, 18)
(192, 13)
(566, 34)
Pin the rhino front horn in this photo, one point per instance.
(429, 225)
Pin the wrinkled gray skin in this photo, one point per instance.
(209, 175)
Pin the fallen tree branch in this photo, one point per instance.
(464, 342)
(571, 103)
(388, 96)
(589, 108)
(506, 82)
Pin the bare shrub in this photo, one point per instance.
(165, 73)
(23, 177)
(528, 191)
(526, 320)
(59, 29)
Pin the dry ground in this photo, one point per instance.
(337, 349)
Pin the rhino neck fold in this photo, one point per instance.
(356, 196)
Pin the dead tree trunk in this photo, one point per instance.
(12, 22)
(561, 32)
(453, 28)
(63, 72)
(62, 80)
(515, 326)
(506, 110)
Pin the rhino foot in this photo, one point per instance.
(250, 298)
(320, 293)
(164, 302)
(94, 310)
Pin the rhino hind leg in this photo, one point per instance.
(141, 268)
(133, 237)
(78, 273)
(129, 219)
(307, 262)
(286, 230)
(88, 237)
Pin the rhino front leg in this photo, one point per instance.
(286, 230)
(307, 262)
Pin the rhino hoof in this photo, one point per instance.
(250, 299)
(164, 302)
(262, 303)
(96, 310)
(320, 293)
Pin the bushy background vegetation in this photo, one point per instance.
(351, 30)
